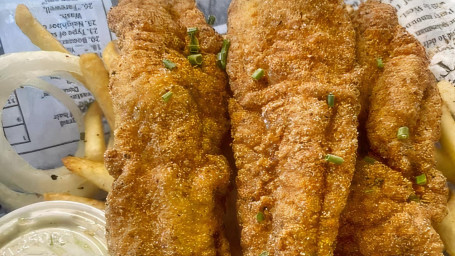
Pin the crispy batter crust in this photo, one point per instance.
(170, 178)
(282, 126)
(381, 218)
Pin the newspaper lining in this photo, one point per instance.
(81, 26)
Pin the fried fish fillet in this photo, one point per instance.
(380, 219)
(388, 213)
(170, 178)
(289, 197)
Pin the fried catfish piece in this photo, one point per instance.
(289, 197)
(401, 93)
(405, 95)
(170, 178)
(384, 217)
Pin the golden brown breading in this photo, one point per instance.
(170, 176)
(380, 218)
(283, 127)
(402, 93)
(374, 32)
(405, 94)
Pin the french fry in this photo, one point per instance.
(93, 171)
(97, 81)
(445, 165)
(110, 53)
(446, 156)
(67, 197)
(35, 31)
(94, 133)
(447, 91)
(446, 228)
(447, 133)
(38, 34)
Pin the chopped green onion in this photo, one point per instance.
(220, 61)
(194, 44)
(403, 133)
(413, 197)
(260, 217)
(195, 59)
(169, 64)
(82, 136)
(221, 57)
(258, 74)
(421, 179)
(191, 31)
(225, 46)
(370, 190)
(211, 20)
(194, 48)
(369, 160)
(331, 100)
(379, 63)
(167, 96)
(334, 159)
(264, 253)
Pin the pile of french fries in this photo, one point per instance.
(445, 160)
(96, 79)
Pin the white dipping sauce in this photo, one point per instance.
(55, 228)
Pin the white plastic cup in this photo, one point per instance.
(53, 228)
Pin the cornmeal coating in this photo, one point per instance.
(283, 127)
(170, 178)
(388, 212)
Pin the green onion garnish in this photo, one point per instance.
(220, 61)
(413, 197)
(334, 159)
(194, 44)
(369, 160)
(191, 31)
(225, 46)
(82, 136)
(260, 217)
(370, 190)
(264, 253)
(221, 57)
(169, 64)
(403, 133)
(421, 179)
(379, 63)
(167, 96)
(211, 20)
(194, 48)
(331, 100)
(258, 74)
(195, 59)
